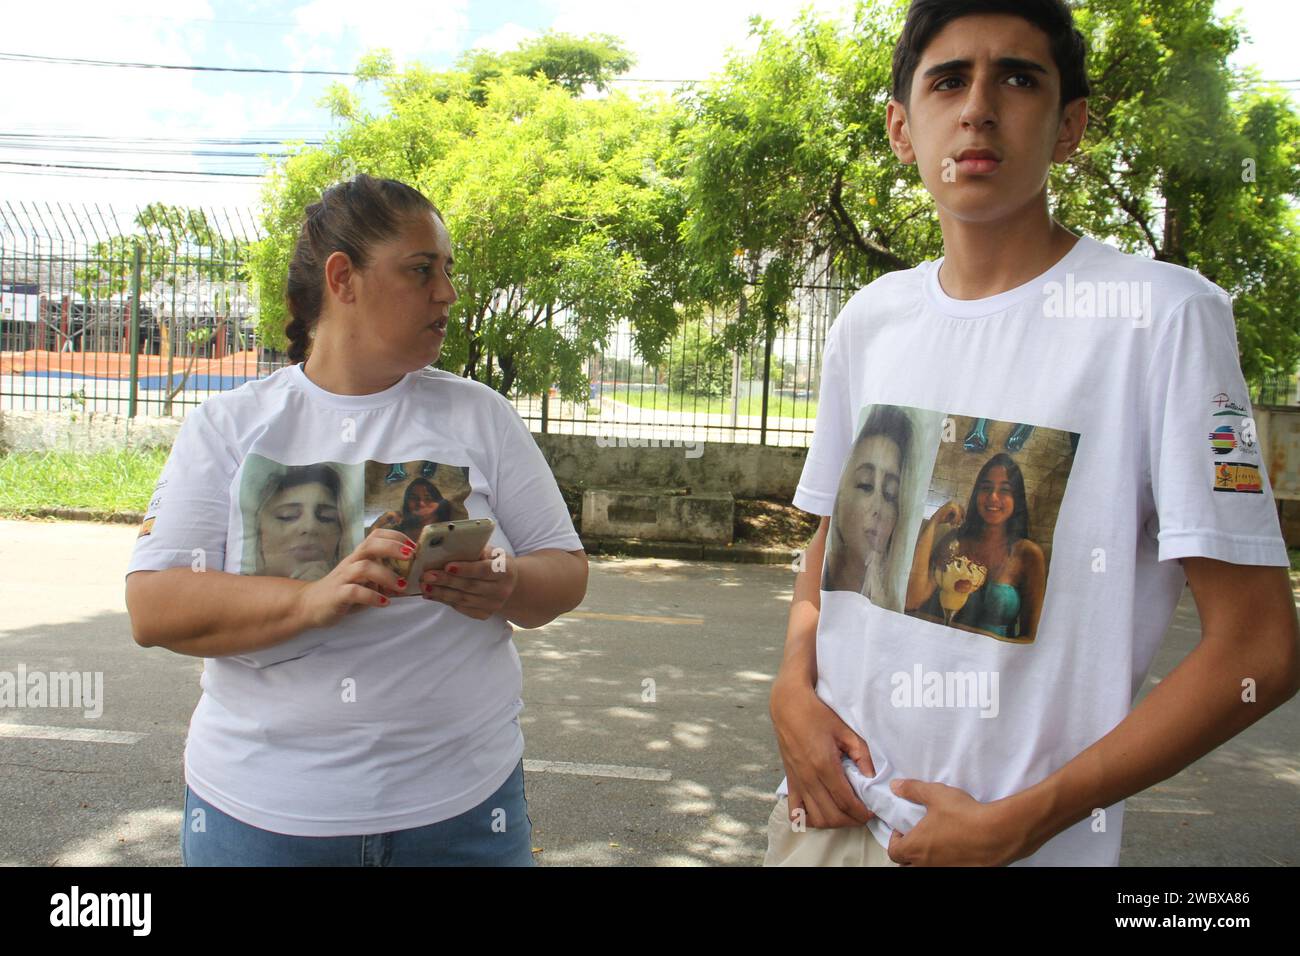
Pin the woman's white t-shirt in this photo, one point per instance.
(397, 716)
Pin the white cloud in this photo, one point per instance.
(506, 37)
(681, 39)
(411, 29)
(102, 101)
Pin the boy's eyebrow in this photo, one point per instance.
(1006, 62)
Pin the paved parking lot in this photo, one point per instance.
(613, 778)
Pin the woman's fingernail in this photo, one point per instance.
(406, 552)
(451, 569)
(383, 600)
(401, 582)
(428, 589)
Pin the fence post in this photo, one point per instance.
(767, 376)
(135, 327)
(546, 386)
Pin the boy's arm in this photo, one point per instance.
(1247, 664)
(1230, 680)
(810, 735)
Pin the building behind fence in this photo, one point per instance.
(76, 282)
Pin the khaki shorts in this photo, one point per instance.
(839, 846)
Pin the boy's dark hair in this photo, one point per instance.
(350, 217)
(925, 18)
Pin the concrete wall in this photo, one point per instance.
(579, 461)
(746, 471)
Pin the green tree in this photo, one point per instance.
(562, 224)
(573, 63)
(178, 245)
(786, 164)
(699, 363)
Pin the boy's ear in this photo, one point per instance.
(1074, 120)
(900, 141)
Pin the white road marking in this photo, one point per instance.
(597, 770)
(1141, 804)
(37, 732)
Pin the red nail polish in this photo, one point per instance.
(406, 552)
(451, 570)
(401, 583)
(383, 600)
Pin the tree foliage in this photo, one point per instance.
(571, 214)
(561, 225)
(787, 164)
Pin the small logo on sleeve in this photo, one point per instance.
(1223, 440)
(1237, 476)
(145, 528)
(1226, 406)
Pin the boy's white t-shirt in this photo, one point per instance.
(1111, 384)
(397, 716)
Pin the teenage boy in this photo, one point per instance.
(1023, 451)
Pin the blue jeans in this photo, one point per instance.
(498, 832)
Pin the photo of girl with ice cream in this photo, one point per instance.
(975, 566)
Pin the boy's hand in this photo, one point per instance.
(957, 830)
(813, 739)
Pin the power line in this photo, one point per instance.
(55, 174)
(78, 61)
(117, 169)
(122, 64)
(137, 150)
(199, 141)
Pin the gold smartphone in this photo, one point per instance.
(441, 543)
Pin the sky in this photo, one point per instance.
(146, 119)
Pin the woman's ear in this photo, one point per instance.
(339, 276)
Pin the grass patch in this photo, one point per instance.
(777, 407)
(111, 481)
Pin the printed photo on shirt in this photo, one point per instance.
(406, 496)
(982, 549)
(299, 520)
(878, 502)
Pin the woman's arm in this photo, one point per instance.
(529, 590)
(548, 583)
(1035, 578)
(212, 613)
(919, 583)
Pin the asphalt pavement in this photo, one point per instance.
(648, 739)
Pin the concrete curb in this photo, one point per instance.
(629, 547)
(688, 551)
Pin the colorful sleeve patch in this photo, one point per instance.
(145, 528)
(1232, 432)
(1237, 476)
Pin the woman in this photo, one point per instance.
(860, 540)
(422, 504)
(298, 527)
(997, 573)
(339, 725)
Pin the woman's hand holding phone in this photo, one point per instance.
(477, 589)
(359, 580)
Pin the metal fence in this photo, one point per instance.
(125, 312)
(116, 311)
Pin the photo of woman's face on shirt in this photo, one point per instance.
(299, 532)
(869, 491)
